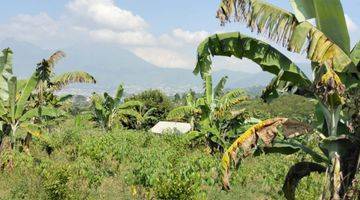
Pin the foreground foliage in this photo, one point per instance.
(86, 163)
(335, 69)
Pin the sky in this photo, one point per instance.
(162, 32)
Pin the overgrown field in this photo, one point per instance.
(83, 162)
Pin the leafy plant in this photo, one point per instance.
(15, 112)
(153, 99)
(107, 110)
(213, 115)
(333, 63)
(49, 82)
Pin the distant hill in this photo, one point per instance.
(112, 65)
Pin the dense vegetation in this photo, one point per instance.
(87, 162)
(99, 148)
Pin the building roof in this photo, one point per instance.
(164, 126)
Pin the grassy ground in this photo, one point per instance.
(87, 163)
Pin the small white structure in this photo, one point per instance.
(172, 127)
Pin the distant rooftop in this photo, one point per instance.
(164, 126)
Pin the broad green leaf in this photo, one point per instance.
(42, 111)
(119, 93)
(61, 81)
(65, 97)
(303, 9)
(208, 89)
(33, 129)
(129, 112)
(5, 72)
(296, 173)
(355, 55)
(330, 19)
(241, 46)
(130, 104)
(2, 108)
(297, 145)
(25, 94)
(282, 27)
(12, 97)
(182, 111)
(219, 88)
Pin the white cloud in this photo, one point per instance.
(107, 14)
(169, 41)
(163, 57)
(125, 38)
(190, 37)
(352, 26)
(30, 28)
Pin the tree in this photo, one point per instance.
(107, 110)
(50, 83)
(153, 99)
(212, 115)
(335, 67)
(15, 112)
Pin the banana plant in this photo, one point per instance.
(109, 111)
(49, 82)
(210, 114)
(335, 68)
(15, 112)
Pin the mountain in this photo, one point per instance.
(112, 65)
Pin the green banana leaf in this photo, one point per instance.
(5, 72)
(329, 16)
(241, 46)
(25, 94)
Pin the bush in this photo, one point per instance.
(154, 99)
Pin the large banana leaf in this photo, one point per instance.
(266, 131)
(2, 108)
(12, 97)
(355, 55)
(209, 89)
(283, 27)
(25, 94)
(232, 98)
(130, 104)
(5, 72)
(45, 111)
(119, 93)
(241, 46)
(219, 88)
(330, 19)
(33, 129)
(67, 78)
(181, 112)
(296, 173)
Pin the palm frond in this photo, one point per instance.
(282, 27)
(61, 81)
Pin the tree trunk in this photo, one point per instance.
(334, 171)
